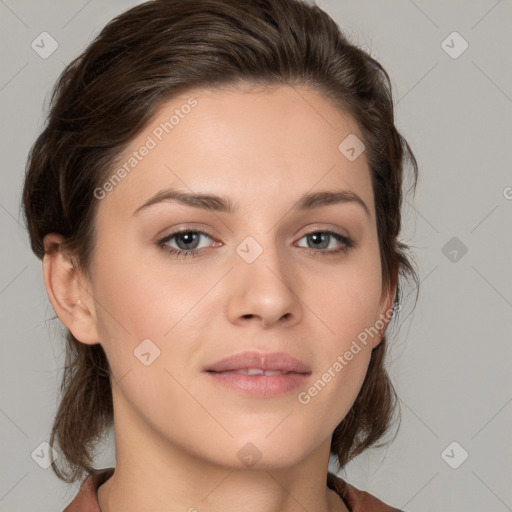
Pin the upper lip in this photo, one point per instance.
(277, 361)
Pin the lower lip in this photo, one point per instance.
(260, 385)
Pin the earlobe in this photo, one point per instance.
(68, 291)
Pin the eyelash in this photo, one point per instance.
(347, 242)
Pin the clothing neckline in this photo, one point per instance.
(354, 499)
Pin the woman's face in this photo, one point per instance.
(266, 277)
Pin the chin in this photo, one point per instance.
(259, 452)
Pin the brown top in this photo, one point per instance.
(356, 501)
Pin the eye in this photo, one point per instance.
(321, 240)
(187, 241)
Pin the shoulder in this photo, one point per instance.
(87, 498)
(355, 499)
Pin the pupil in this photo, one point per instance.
(319, 237)
(185, 236)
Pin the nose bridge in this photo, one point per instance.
(262, 253)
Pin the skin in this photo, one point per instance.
(177, 433)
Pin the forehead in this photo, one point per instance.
(263, 146)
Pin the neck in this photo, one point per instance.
(162, 476)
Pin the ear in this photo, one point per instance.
(68, 291)
(385, 311)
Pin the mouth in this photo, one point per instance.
(253, 371)
(259, 375)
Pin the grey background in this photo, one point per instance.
(450, 358)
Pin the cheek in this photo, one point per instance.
(137, 294)
(142, 298)
(347, 306)
(347, 299)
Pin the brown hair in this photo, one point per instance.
(104, 97)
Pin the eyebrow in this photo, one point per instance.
(224, 204)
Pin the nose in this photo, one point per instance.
(264, 291)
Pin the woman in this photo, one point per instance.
(216, 201)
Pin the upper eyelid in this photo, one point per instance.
(171, 235)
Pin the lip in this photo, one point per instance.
(252, 359)
(293, 373)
